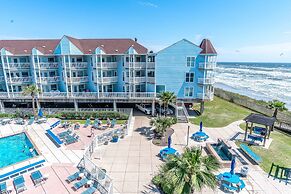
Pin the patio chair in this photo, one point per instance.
(71, 140)
(19, 184)
(64, 133)
(80, 184)
(37, 177)
(90, 190)
(3, 187)
(73, 177)
(87, 123)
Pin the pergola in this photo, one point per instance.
(266, 121)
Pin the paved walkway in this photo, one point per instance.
(133, 161)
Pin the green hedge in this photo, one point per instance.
(103, 115)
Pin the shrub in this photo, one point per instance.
(92, 115)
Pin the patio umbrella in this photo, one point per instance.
(232, 165)
(201, 125)
(40, 113)
(169, 141)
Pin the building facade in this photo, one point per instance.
(104, 70)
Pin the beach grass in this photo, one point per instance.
(220, 113)
(103, 121)
(279, 151)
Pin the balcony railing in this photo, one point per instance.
(150, 65)
(135, 79)
(17, 65)
(207, 65)
(77, 79)
(84, 95)
(108, 79)
(74, 65)
(205, 81)
(20, 80)
(138, 65)
(106, 65)
(205, 96)
(151, 80)
(50, 79)
(48, 65)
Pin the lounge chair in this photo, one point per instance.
(73, 177)
(87, 123)
(64, 133)
(19, 184)
(70, 140)
(3, 187)
(37, 177)
(90, 190)
(31, 120)
(80, 184)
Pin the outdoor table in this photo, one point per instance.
(230, 178)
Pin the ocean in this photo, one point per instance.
(262, 81)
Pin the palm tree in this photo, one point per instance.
(277, 105)
(32, 91)
(167, 98)
(187, 173)
(161, 124)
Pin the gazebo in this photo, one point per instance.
(260, 133)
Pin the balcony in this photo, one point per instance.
(17, 66)
(205, 96)
(135, 79)
(106, 65)
(77, 65)
(137, 65)
(206, 81)
(20, 80)
(151, 80)
(49, 65)
(50, 79)
(77, 79)
(108, 79)
(207, 65)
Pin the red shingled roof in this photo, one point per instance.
(87, 46)
(207, 47)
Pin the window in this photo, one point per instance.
(189, 77)
(160, 88)
(190, 61)
(188, 92)
(151, 74)
(54, 87)
(51, 59)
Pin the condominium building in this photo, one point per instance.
(104, 70)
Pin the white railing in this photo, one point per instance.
(85, 95)
(77, 65)
(106, 185)
(48, 65)
(78, 79)
(206, 80)
(106, 65)
(135, 79)
(140, 65)
(207, 65)
(17, 65)
(108, 79)
(20, 80)
(151, 80)
(150, 65)
(50, 79)
(206, 96)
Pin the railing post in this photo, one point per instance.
(76, 105)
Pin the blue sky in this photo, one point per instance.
(241, 30)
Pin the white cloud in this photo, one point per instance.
(148, 4)
(277, 52)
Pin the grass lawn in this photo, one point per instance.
(279, 151)
(103, 121)
(220, 113)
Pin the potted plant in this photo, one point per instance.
(115, 138)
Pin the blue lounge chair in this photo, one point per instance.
(64, 133)
(71, 139)
(73, 177)
(36, 177)
(31, 120)
(91, 190)
(19, 184)
(80, 184)
(3, 187)
(87, 123)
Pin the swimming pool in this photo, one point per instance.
(15, 148)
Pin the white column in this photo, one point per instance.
(65, 74)
(101, 70)
(76, 105)
(8, 66)
(40, 82)
(70, 74)
(153, 108)
(5, 76)
(114, 105)
(97, 76)
(2, 109)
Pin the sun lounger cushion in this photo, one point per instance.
(91, 190)
(80, 184)
(18, 183)
(3, 187)
(73, 177)
(36, 177)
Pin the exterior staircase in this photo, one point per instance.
(181, 112)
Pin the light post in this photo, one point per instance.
(188, 134)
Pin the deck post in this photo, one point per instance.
(201, 107)
(153, 108)
(246, 131)
(2, 109)
(76, 105)
(114, 105)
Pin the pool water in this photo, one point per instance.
(222, 151)
(15, 148)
